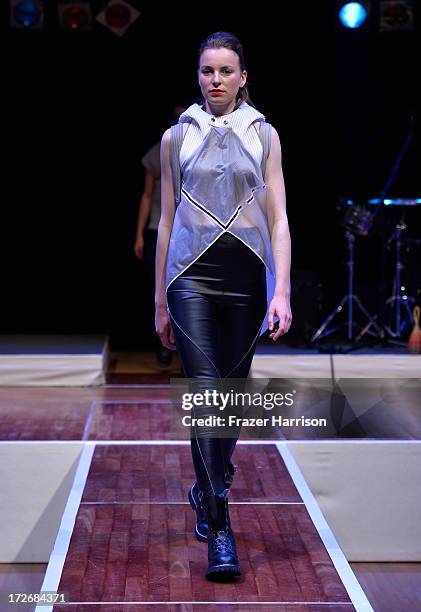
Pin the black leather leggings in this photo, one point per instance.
(217, 306)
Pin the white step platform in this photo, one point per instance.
(294, 363)
(53, 360)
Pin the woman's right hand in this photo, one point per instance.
(139, 246)
(164, 328)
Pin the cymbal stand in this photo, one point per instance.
(399, 300)
(398, 296)
(350, 298)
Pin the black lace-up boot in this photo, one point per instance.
(222, 552)
(201, 528)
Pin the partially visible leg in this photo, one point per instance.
(216, 335)
(243, 314)
(195, 325)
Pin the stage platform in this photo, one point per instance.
(281, 361)
(84, 361)
(94, 483)
(53, 360)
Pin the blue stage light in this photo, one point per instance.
(27, 14)
(352, 15)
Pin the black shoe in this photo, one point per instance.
(164, 356)
(201, 528)
(222, 552)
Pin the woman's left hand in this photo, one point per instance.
(279, 306)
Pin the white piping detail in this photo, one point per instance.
(240, 206)
(192, 201)
(192, 262)
(193, 342)
(219, 376)
(245, 355)
(203, 459)
(251, 249)
(224, 231)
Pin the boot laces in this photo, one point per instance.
(223, 542)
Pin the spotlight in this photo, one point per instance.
(352, 15)
(27, 14)
(396, 15)
(118, 16)
(75, 16)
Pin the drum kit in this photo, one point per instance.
(397, 316)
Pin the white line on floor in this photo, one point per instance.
(182, 503)
(88, 420)
(208, 603)
(271, 442)
(339, 560)
(161, 400)
(61, 545)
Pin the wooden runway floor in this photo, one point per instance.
(130, 543)
(127, 541)
(133, 536)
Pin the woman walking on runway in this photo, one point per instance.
(222, 263)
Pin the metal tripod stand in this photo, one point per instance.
(349, 299)
(399, 300)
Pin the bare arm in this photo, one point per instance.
(280, 237)
(166, 220)
(144, 212)
(162, 320)
(145, 202)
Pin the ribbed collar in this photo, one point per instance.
(239, 120)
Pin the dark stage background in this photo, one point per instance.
(84, 107)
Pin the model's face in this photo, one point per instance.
(219, 69)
